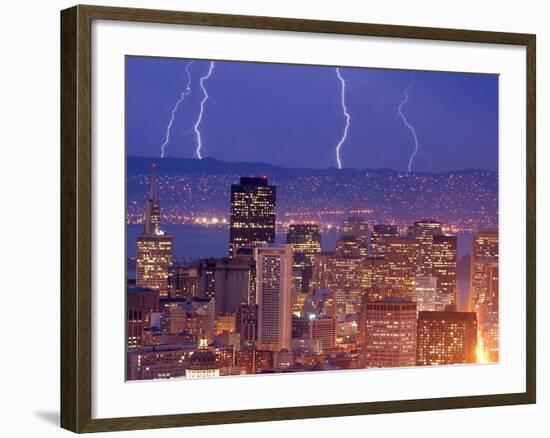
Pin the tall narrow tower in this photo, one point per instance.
(151, 219)
(154, 247)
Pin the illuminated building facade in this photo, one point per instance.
(322, 329)
(252, 218)
(379, 233)
(388, 328)
(424, 232)
(154, 247)
(274, 289)
(401, 254)
(444, 265)
(183, 281)
(357, 228)
(159, 362)
(246, 322)
(140, 304)
(305, 239)
(446, 338)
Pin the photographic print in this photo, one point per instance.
(287, 218)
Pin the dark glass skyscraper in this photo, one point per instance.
(252, 216)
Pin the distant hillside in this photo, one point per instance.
(191, 187)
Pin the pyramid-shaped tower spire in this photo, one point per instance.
(152, 206)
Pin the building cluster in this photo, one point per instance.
(383, 297)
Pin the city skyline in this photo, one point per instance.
(301, 262)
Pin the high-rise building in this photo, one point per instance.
(401, 254)
(154, 247)
(274, 290)
(446, 338)
(378, 234)
(444, 264)
(388, 330)
(322, 328)
(425, 293)
(375, 271)
(252, 219)
(247, 322)
(183, 281)
(305, 239)
(424, 232)
(227, 280)
(140, 304)
(357, 228)
(484, 253)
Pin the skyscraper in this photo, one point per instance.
(274, 291)
(357, 228)
(154, 247)
(484, 293)
(424, 232)
(484, 253)
(379, 233)
(252, 218)
(444, 264)
(401, 254)
(305, 239)
(446, 338)
(387, 329)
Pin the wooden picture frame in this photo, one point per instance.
(76, 217)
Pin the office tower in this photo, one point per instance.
(274, 289)
(320, 272)
(425, 293)
(487, 309)
(158, 362)
(446, 338)
(182, 281)
(484, 253)
(379, 233)
(345, 276)
(247, 322)
(350, 247)
(305, 239)
(424, 232)
(375, 271)
(227, 280)
(356, 227)
(140, 304)
(202, 363)
(387, 329)
(444, 264)
(252, 218)
(318, 328)
(401, 254)
(154, 247)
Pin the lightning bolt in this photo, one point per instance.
(175, 109)
(201, 112)
(346, 115)
(408, 125)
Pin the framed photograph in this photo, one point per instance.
(268, 219)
